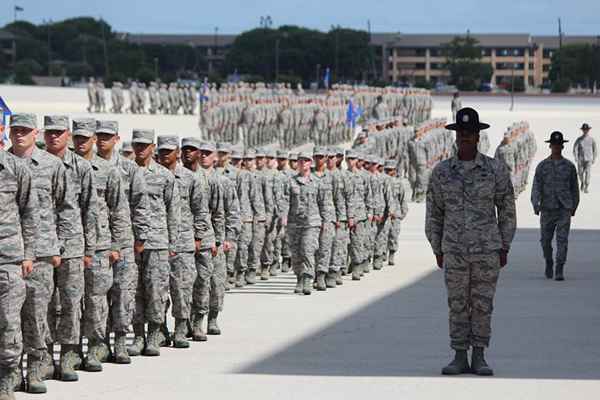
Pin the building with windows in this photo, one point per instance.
(420, 57)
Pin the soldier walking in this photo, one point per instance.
(555, 198)
(585, 154)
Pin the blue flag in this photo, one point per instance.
(327, 78)
(352, 114)
(203, 95)
(5, 114)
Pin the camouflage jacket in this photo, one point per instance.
(77, 230)
(555, 186)
(231, 206)
(215, 205)
(358, 190)
(50, 184)
(304, 208)
(18, 211)
(113, 224)
(325, 198)
(462, 204)
(163, 205)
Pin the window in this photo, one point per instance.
(531, 66)
(420, 52)
(420, 65)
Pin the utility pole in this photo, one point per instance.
(337, 49)
(560, 53)
(372, 51)
(512, 88)
(48, 22)
(277, 60)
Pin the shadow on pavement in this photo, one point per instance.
(541, 329)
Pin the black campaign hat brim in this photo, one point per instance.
(455, 126)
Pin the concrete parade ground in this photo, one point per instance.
(387, 335)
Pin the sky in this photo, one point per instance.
(579, 17)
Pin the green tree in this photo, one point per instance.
(463, 60)
(577, 64)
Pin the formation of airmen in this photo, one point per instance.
(517, 150)
(103, 243)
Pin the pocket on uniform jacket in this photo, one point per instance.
(8, 194)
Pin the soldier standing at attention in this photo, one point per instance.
(555, 197)
(585, 153)
(18, 223)
(470, 243)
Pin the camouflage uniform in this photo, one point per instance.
(18, 222)
(585, 153)
(154, 268)
(50, 184)
(555, 196)
(328, 216)
(461, 224)
(400, 209)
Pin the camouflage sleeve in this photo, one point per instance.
(536, 189)
(285, 204)
(200, 210)
(27, 210)
(217, 210)
(138, 204)
(369, 198)
(255, 195)
(403, 203)
(574, 186)
(88, 206)
(390, 205)
(232, 213)
(267, 186)
(60, 186)
(173, 212)
(339, 198)
(352, 197)
(118, 217)
(434, 214)
(504, 198)
(594, 151)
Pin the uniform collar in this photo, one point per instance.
(479, 161)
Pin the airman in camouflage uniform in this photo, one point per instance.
(125, 270)
(113, 224)
(585, 154)
(397, 212)
(18, 222)
(342, 199)
(78, 247)
(158, 248)
(555, 197)
(470, 223)
(48, 185)
(281, 250)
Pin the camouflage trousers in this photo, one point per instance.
(340, 247)
(34, 315)
(64, 311)
(558, 221)
(267, 254)
(209, 287)
(382, 230)
(243, 247)
(98, 281)
(152, 292)
(181, 282)
(584, 169)
(325, 252)
(122, 293)
(471, 284)
(259, 232)
(12, 297)
(359, 243)
(372, 235)
(304, 244)
(393, 235)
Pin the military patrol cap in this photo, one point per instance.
(108, 127)
(145, 136)
(390, 164)
(282, 154)
(351, 154)
(320, 151)
(236, 154)
(190, 142)
(83, 127)
(270, 153)
(260, 152)
(167, 142)
(556, 137)
(293, 156)
(224, 147)
(56, 122)
(305, 155)
(338, 151)
(467, 119)
(249, 154)
(207, 146)
(127, 146)
(24, 120)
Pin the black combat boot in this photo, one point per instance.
(460, 364)
(549, 269)
(559, 273)
(478, 364)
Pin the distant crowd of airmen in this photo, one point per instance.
(95, 242)
(517, 150)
